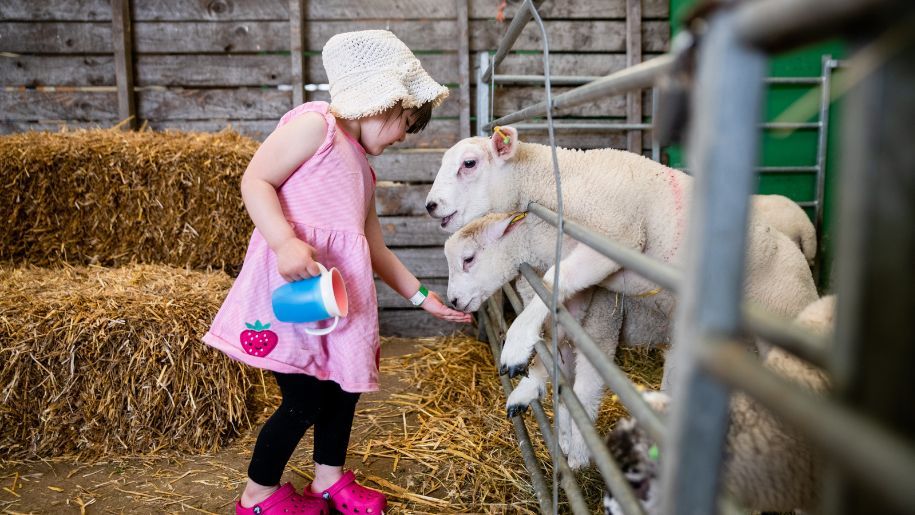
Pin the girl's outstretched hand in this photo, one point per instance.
(434, 305)
(295, 260)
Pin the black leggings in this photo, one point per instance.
(306, 401)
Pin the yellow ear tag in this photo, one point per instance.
(517, 218)
(505, 139)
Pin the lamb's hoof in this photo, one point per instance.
(516, 409)
(517, 370)
(578, 457)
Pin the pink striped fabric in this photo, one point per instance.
(326, 201)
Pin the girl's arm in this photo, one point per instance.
(281, 154)
(393, 272)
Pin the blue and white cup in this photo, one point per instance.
(311, 300)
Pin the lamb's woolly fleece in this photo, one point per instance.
(788, 218)
(770, 466)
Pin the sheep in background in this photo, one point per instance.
(787, 217)
(488, 252)
(769, 466)
(633, 200)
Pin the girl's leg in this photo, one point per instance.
(332, 431)
(281, 434)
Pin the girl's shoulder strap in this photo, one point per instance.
(314, 107)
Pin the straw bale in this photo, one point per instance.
(109, 197)
(97, 361)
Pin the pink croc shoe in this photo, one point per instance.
(348, 496)
(286, 500)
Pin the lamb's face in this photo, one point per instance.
(637, 456)
(459, 194)
(462, 188)
(480, 260)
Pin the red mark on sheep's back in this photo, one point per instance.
(677, 191)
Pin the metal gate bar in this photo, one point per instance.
(538, 481)
(874, 351)
(609, 469)
(727, 99)
(595, 126)
(784, 24)
(829, 64)
(877, 457)
(517, 24)
(578, 80)
(659, 272)
(791, 337)
(622, 126)
(556, 80)
(756, 320)
(865, 459)
(642, 75)
(566, 475)
(710, 304)
(612, 375)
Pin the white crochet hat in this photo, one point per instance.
(371, 70)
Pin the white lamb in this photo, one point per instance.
(769, 467)
(497, 244)
(633, 200)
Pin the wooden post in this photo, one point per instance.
(464, 65)
(297, 48)
(633, 57)
(122, 41)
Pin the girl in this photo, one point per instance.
(310, 191)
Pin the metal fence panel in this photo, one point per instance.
(728, 95)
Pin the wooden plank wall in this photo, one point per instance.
(202, 64)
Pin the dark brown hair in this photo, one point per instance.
(421, 116)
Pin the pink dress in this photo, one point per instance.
(326, 201)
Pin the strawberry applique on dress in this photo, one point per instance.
(258, 340)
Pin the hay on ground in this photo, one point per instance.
(450, 445)
(457, 453)
(97, 361)
(110, 197)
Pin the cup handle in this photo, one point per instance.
(324, 331)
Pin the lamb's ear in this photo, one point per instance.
(504, 143)
(501, 227)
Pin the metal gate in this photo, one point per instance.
(868, 443)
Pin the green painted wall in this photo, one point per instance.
(798, 148)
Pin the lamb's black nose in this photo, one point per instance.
(453, 301)
(430, 207)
